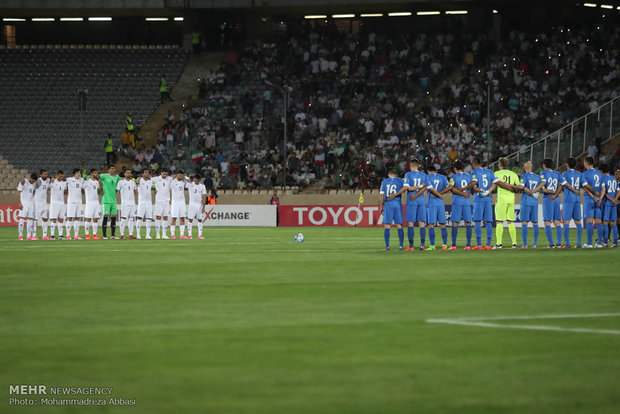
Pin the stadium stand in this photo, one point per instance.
(360, 106)
(41, 121)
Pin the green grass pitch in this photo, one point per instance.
(248, 321)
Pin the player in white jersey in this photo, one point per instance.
(74, 204)
(145, 203)
(178, 210)
(26, 189)
(162, 203)
(41, 209)
(92, 211)
(127, 188)
(58, 209)
(197, 200)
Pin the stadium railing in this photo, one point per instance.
(573, 139)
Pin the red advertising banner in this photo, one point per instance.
(363, 216)
(9, 214)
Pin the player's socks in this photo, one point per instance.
(68, 227)
(489, 226)
(113, 226)
(138, 226)
(130, 226)
(157, 227)
(549, 234)
(614, 232)
(95, 227)
(512, 230)
(478, 231)
(558, 235)
(104, 226)
(566, 234)
(52, 230)
(422, 235)
(122, 225)
(431, 235)
(410, 234)
(386, 237)
(148, 228)
(524, 230)
(60, 227)
(536, 233)
(20, 226)
(605, 233)
(499, 233)
(401, 237)
(199, 229)
(579, 233)
(599, 232)
(589, 232)
(468, 235)
(87, 228)
(76, 227)
(172, 230)
(190, 225)
(44, 226)
(182, 229)
(444, 235)
(455, 233)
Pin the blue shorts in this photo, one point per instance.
(483, 210)
(461, 212)
(551, 210)
(415, 213)
(571, 211)
(529, 214)
(590, 209)
(436, 214)
(610, 212)
(393, 213)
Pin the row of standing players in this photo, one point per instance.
(600, 204)
(65, 209)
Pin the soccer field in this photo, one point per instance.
(248, 321)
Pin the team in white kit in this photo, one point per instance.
(65, 209)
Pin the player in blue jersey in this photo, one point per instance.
(551, 186)
(529, 203)
(592, 183)
(437, 186)
(609, 206)
(482, 180)
(415, 210)
(461, 203)
(392, 209)
(571, 203)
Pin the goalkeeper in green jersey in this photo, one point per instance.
(110, 209)
(505, 205)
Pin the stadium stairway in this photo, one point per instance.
(196, 67)
(10, 176)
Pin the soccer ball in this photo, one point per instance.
(299, 238)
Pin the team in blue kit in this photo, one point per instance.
(425, 205)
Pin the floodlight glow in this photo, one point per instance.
(13, 19)
(71, 19)
(397, 14)
(428, 13)
(316, 16)
(342, 16)
(156, 19)
(589, 4)
(456, 12)
(178, 19)
(43, 19)
(606, 6)
(371, 15)
(99, 19)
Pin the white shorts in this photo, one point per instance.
(27, 211)
(178, 210)
(145, 211)
(128, 210)
(74, 210)
(161, 210)
(41, 210)
(58, 211)
(195, 212)
(92, 211)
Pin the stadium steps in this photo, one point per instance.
(195, 68)
(9, 175)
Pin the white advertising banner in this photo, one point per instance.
(240, 215)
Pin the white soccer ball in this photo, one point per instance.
(299, 238)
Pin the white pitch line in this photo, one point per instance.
(525, 317)
(527, 327)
